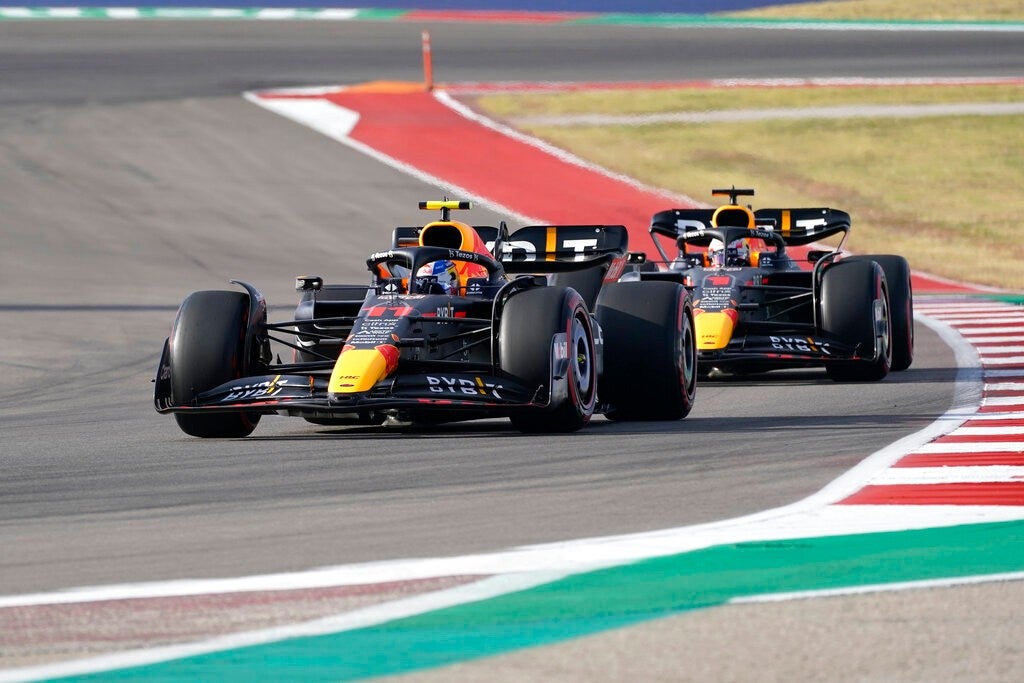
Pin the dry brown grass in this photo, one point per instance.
(980, 10)
(713, 99)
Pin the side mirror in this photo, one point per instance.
(636, 258)
(307, 283)
(815, 255)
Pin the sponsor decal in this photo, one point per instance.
(690, 228)
(811, 225)
(615, 271)
(259, 390)
(523, 250)
(441, 384)
(445, 312)
(801, 344)
(459, 255)
(716, 293)
(373, 331)
(389, 311)
(516, 250)
(561, 350)
(580, 247)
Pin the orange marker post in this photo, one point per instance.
(428, 65)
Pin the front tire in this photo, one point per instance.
(650, 351)
(529, 322)
(855, 310)
(208, 349)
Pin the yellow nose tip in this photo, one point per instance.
(714, 330)
(358, 370)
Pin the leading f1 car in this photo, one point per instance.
(757, 309)
(457, 322)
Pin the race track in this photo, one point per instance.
(133, 173)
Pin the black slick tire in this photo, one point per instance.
(650, 351)
(529, 322)
(207, 349)
(853, 295)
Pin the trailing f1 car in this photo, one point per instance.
(756, 309)
(458, 322)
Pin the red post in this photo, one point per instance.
(428, 66)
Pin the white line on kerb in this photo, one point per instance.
(983, 340)
(987, 431)
(1006, 386)
(970, 333)
(978, 447)
(970, 474)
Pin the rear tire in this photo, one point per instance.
(901, 306)
(853, 296)
(208, 349)
(528, 322)
(650, 351)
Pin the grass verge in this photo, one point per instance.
(924, 10)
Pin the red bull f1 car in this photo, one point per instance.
(529, 325)
(756, 308)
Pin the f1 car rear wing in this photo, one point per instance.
(543, 248)
(555, 248)
(796, 226)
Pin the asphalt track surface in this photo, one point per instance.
(133, 173)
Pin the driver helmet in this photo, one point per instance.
(442, 273)
(736, 254)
